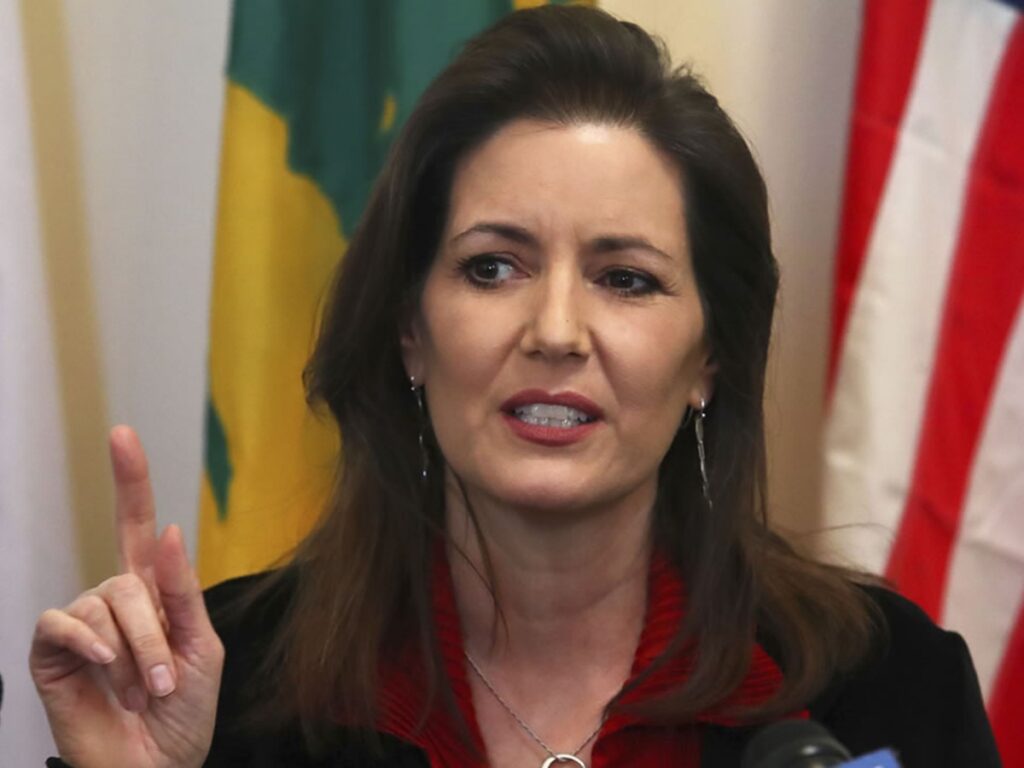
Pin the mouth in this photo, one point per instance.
(547, 415)
(551, 419)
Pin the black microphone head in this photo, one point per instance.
(794, 744)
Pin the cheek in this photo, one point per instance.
(465, 341)
(654, 365)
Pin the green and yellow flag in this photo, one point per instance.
(316, 91)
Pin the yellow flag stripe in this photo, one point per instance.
(278, 239)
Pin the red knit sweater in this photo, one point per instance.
(623, 739)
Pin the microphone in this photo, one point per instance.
(806, 744)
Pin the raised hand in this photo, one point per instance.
(129, 671)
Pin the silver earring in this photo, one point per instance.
(698, 428)
(417, 392)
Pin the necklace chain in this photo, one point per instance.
(554, 756)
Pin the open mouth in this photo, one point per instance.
(551, 419)
(549, 415)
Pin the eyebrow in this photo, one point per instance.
(613, 243)
(511, 232)
(601, 244)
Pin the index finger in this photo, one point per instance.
(135, 509)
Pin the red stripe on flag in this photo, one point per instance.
(983, 298)
(890, 42)
(1006, 703)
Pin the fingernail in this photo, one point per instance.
(102, 653)
(160, 680)
(135, 699)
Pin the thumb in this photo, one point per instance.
(180, 592)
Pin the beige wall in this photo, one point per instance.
(126, 100)
(126, 117)
(784, 70)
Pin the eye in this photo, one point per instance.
(487, 270)
(629, 282)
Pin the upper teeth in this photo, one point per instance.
(548, 415)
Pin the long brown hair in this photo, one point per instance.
(360, 578)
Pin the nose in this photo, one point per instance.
(557, 326)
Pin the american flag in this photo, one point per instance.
(924, 445)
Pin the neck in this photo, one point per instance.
(547, 591)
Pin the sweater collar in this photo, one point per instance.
(403, 689)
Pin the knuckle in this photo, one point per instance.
(149, 643)
(56, 628)
(90, 608)
(49, 616)
(124, 587)
(49, 623)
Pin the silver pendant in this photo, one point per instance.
(563, 758)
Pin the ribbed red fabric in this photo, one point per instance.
(623, 740)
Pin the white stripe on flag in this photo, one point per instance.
(986, 582)
(37, 564)
(886, 359)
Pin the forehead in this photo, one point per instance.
(584, 176)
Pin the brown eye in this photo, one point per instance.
(487, 271)
(629, 282)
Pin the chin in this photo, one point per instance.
(547, 496)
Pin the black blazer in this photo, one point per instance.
(919, 696)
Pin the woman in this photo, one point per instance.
(545, 351)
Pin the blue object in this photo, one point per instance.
(884, 758)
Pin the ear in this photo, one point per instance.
(704, 384)
(411, 340)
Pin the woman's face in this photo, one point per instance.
(560, 333)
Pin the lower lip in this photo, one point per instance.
(552, 436)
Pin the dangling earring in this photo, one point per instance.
(698, 428)
(417, 392)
